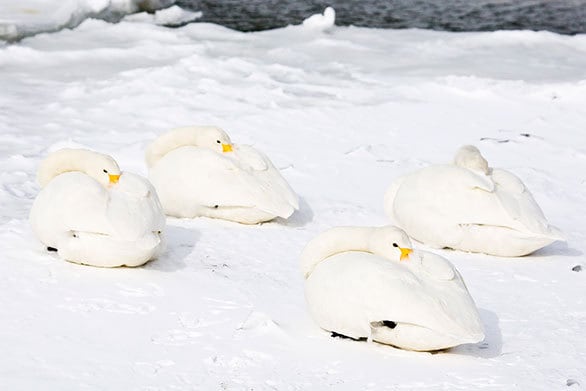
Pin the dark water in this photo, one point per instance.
(565, 17)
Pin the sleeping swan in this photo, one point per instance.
(469, 206)
(366, 282)
(197, 171)
(93, 214)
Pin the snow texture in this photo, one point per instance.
(341, 114)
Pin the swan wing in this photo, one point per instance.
(195, 176)
(436, 267)
(70, 202)
(441, 196)
(452, 196)
(273, 186)
(353, 290)
(519, 204)
(74, 202)
(133, 208)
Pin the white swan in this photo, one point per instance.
(93, 214)
(321, 22)
(368, 283)
(469, 206)
(197, 171)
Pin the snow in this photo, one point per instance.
(341, 114)
(28, 17)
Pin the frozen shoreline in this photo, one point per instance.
(29, 17)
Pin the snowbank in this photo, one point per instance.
(23, 18)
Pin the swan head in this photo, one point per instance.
(468, 156)
(113, 175)
(213, 138)
(101, 167)
(390, 242)
(208, 137)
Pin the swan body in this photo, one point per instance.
(471, 207)
(321, 22)
(93, 214)
(357, 285)
(197, 171)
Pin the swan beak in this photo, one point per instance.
(405, 253)
(227, 148)
(114, 179)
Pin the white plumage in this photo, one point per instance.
(95, 215)
(197, 171)
(321, 22)
(357, 286)
(469, 206)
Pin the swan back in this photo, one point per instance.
(376, 240)
(361, 287)
(469, 206)
(321, 22)
(210, 137)
(468, 156)
(97, 165)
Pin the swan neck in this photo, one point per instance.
(332, 242)
(65, 160)
(169, 141)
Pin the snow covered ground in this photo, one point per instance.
(341, 113)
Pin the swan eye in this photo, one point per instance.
(106, 171)
(395, 245)
(218, 141)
